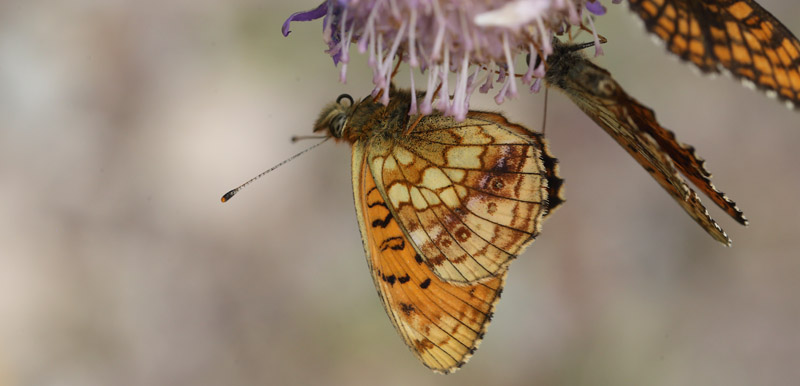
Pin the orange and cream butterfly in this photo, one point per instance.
(443, 207)
(736, 36)
(635, 128)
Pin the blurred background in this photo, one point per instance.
(122, 123)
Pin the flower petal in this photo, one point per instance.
(595, 7)
(313, 14)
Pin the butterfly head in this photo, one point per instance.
(334, 117)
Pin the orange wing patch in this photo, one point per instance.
(635, 128)
(442, 323)
(469, 196)
(738, 36)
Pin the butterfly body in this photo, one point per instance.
(443, 207)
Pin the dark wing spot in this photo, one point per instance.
(498, 183)
(404, 279)
(418, 258)
(423, 345)
(407, 308)
(382, 223)
(395, 243)
(438, 260)
(462, 234)
(376, 203)
(389, 279)
(425, 283)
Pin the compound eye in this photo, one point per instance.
(343, 97)
(337, 126)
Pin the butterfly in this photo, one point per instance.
(443, 207)
(737, 36)
(635, 128)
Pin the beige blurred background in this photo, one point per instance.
(122, 123)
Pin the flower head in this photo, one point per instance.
(474, 39)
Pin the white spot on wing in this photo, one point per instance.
(464, 157)
(398, 194)
(434, 179)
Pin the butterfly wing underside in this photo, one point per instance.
(469, 196)
(738, 36)
(635, 128)
(441, 323)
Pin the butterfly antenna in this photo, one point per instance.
(296, 138)
(227, 196)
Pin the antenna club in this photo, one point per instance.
(227, 196)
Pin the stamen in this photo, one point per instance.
(465, 27)
(343, 73)
(387, 62)
(369, 29)
(327, 30)
(472, 84)
(488, 84)
(427, 107)
(544, 34)
(537, 86)
(460, 105)
(501, 95)
(395, 10)
(533, 54)
(413, 109)
(512, 89)
(437, 45)
(345, 43)
(574, 18)
(412, 45)
(444, 92)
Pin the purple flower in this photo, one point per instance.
(478, 40)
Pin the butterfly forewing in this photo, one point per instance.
(738, 36)
(441, 323)
(635, 128)
(684, 157)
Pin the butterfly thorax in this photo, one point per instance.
(569, 70)
(366, 119)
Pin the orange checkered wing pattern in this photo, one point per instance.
(469, 195)
(442, 212)
(442, 323)
(635, 128)
(737, 36)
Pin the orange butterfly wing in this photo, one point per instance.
(635, 128)
(442, 323)
(684, 157)
(735, 35)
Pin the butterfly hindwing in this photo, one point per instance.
(442, 323)
(738, 36)
(470, 196)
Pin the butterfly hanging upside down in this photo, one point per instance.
(443, 207)
(635, 128)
